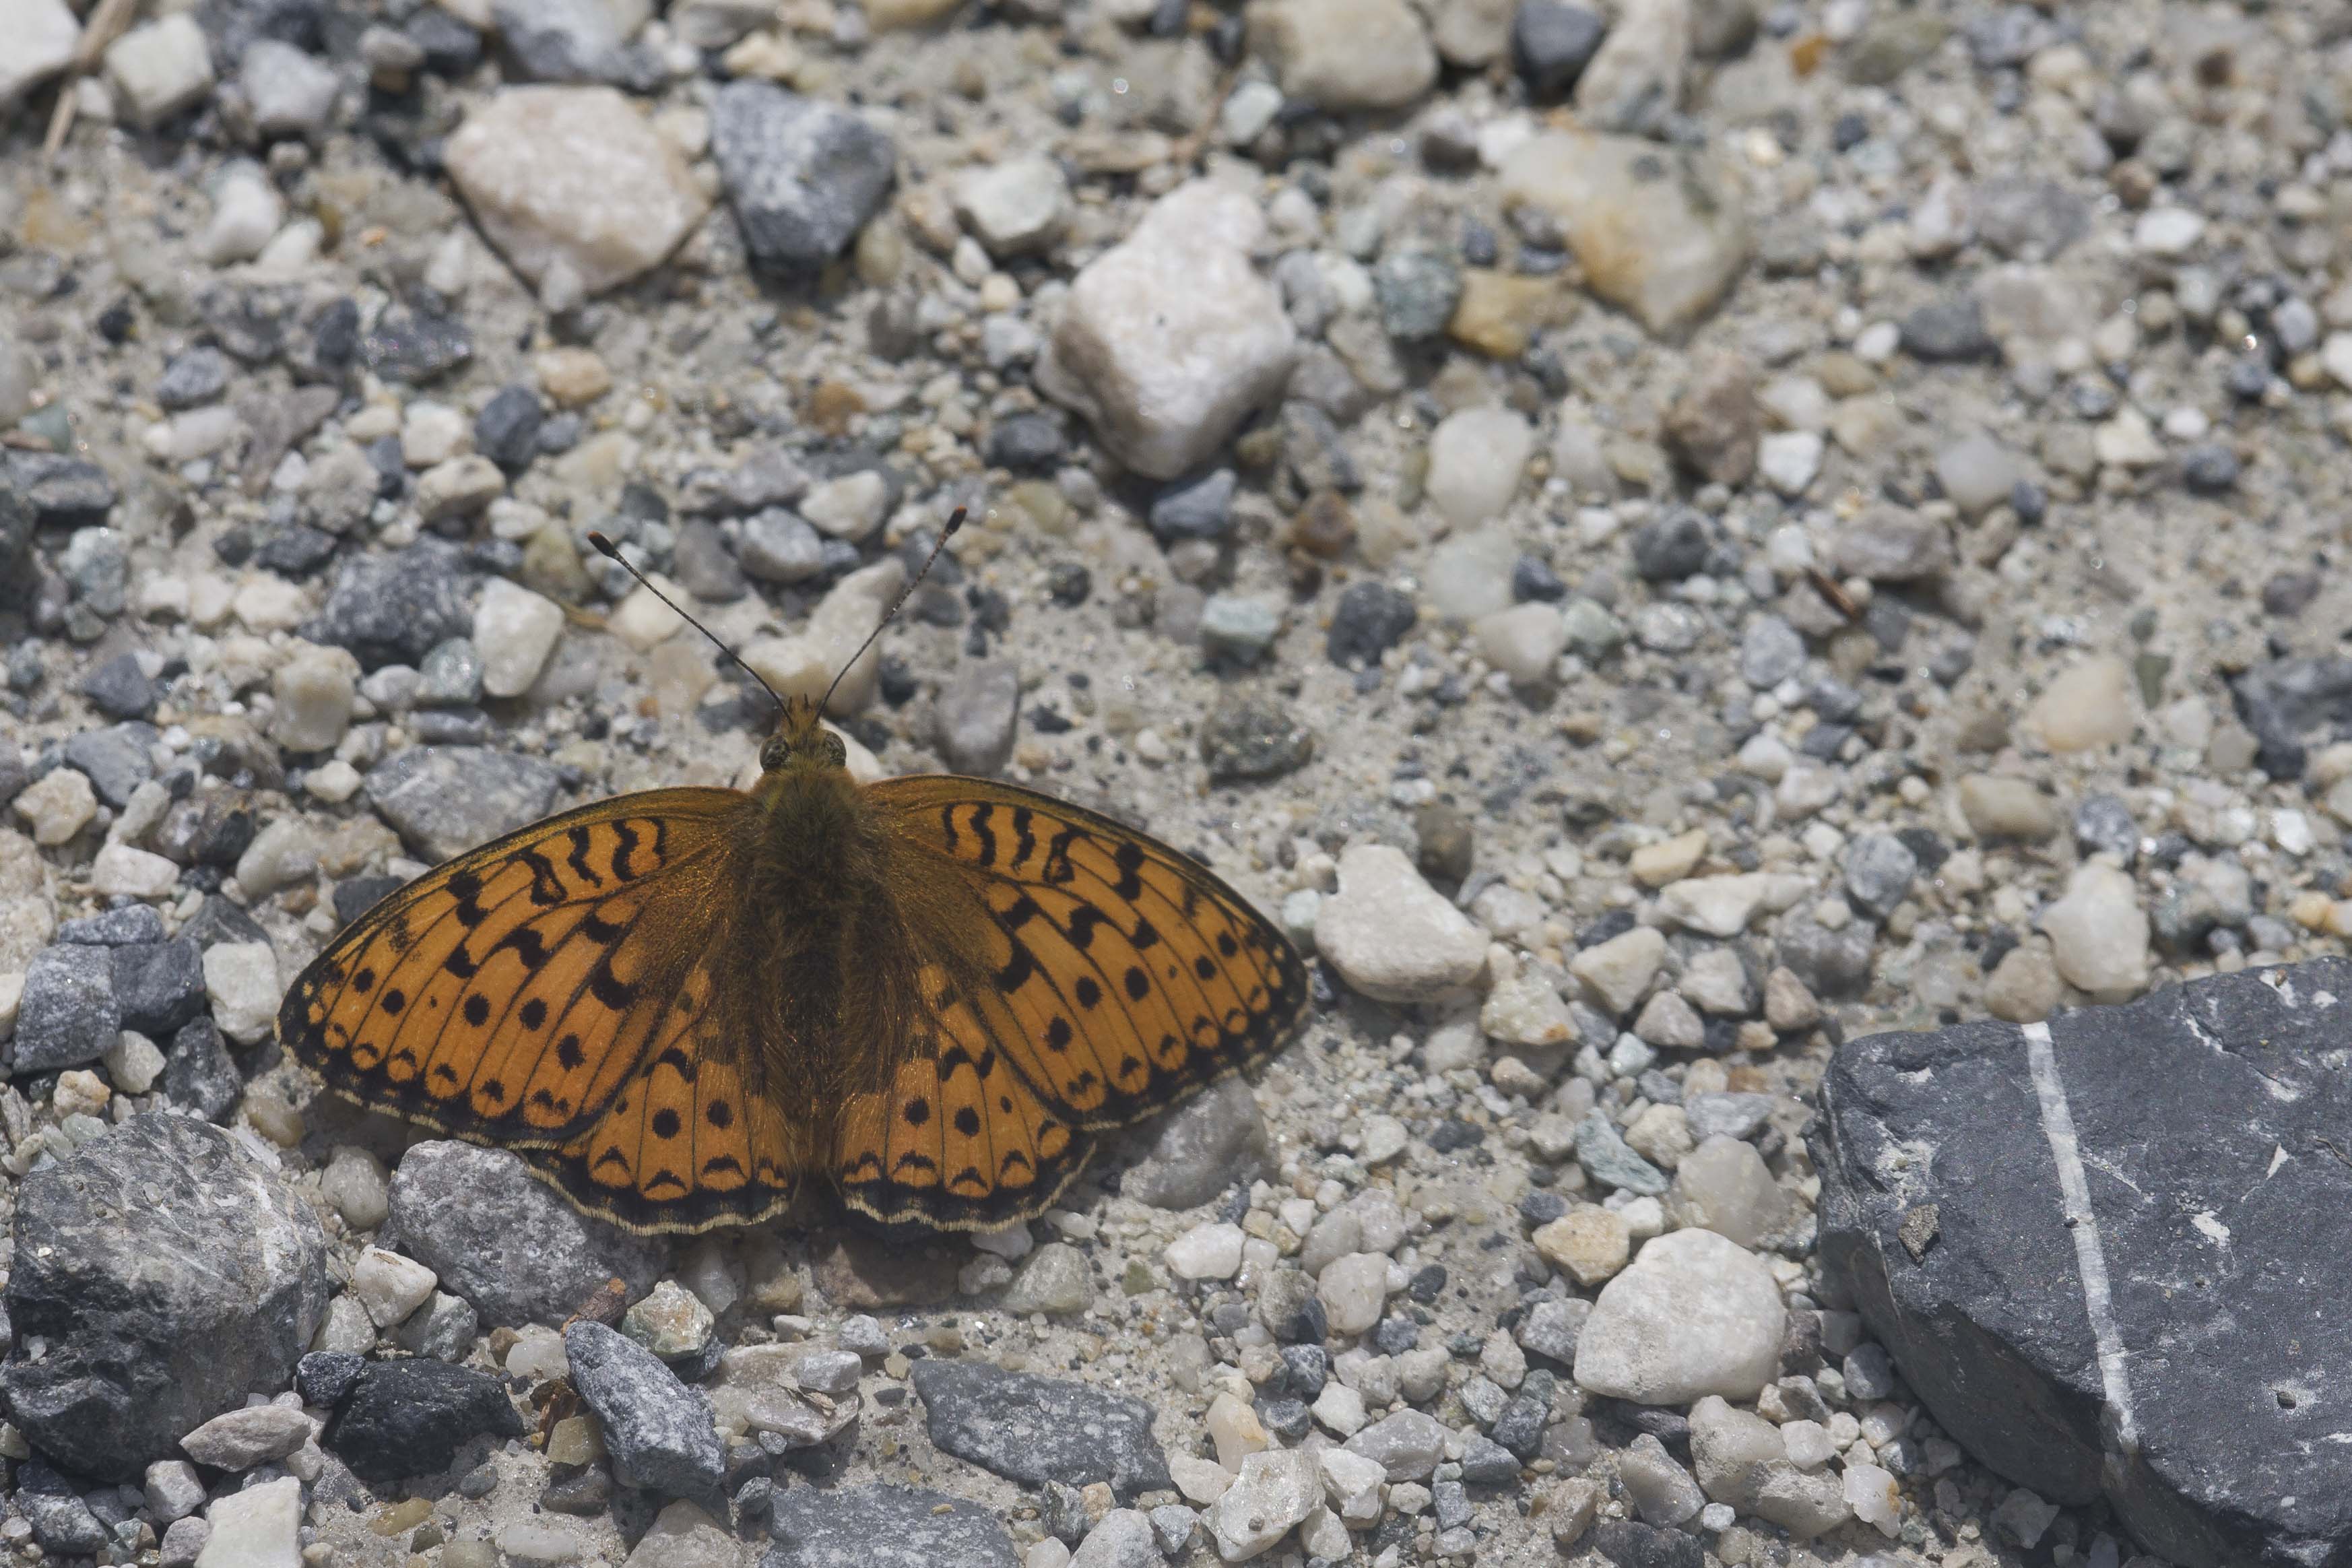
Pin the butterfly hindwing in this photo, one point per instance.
(507, 996)
(957, 1138)
(692, 1141)
(1116, 975)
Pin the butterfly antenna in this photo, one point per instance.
(610, 551)
(955, 520)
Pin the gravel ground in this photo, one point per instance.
(1658, 540)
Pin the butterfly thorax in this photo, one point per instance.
(817, 899)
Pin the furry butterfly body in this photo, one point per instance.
(677, 1006)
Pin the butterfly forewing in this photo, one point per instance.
(507, 996)
(1113, 971)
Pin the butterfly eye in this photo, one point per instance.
(836, 753)
(772, 752)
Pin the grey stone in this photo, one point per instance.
(1947, 331)
(1879, 871)
(506, 429)
(158, 986)
(444, 800)
(1725, 1115)
(2292, 704)
(397, 608)
(1417, 291)
(661, 1432)
(566, 40)
(1830, 963)
(1198, 507)
(2220, 1100)
(1551, 43)
(1770, 651)
(2023, 217)
(418, 347)
(979, 711)
(62, 1522)
(1254, 739)
(1371, 618)
(164, 1273)
(451, 675)
(2104, 825)
(131, 925)
(197, 376)
(704, 567)
(804, 174)
(1200, 1149)
(1038, 1429)
(444, 1328)
(63, 493)
(885, 1526)
(290, 93)
(1486, 1463)
(68, 1014)
(199, 1074)
(401, 1418)
(1607, 1160)
(778, 546)
(504, 1241)
(118, 758)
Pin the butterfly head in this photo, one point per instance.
(802, 740)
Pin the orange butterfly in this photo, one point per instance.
(675, 1005)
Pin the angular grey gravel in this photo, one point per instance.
(164, 1273)
(444, 800)
(69, 1013)
(1607, 1160)
(661, 1432)
(503, 1240)
(885, 1526)
(803, 175)
(1037, 1429)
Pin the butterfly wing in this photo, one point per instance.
(1111, 975)
(559, 991)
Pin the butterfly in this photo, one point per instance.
(679, 1005)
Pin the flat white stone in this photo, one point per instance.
(1391, 935)
(1693, 1314)
(573, 176)
(42, 36)
(1168, 339)
(259, 1527)
(157, 70)
(514, 631)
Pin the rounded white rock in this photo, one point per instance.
(1391, 935)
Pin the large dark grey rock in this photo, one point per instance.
(661, 1432)
(804, 174)
(395, 609)
(2292, 705)
(165, 1273)
(885, 1526)
(504, 1241)
(1039, 1429)
(401, 1418)
(2112, 1253)
(68, 1014)
(444, 800)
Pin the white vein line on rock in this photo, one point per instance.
(2090, 1256)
